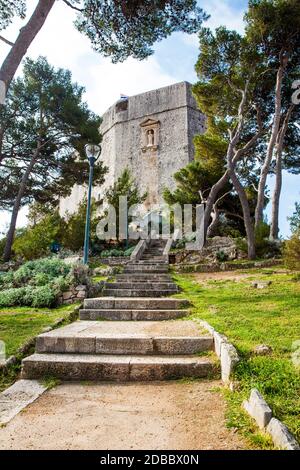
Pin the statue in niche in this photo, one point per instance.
(150, 138)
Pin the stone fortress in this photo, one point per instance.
(152, 135)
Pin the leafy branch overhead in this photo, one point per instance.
(116, 28)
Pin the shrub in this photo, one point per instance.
(221, 256)
(129, 251)
(74, 230)
(12, 297)
(36, 284)
(114, 252)
(292, 252)
(35, 241)
(38, 271)
(37, 297)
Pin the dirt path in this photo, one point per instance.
(161, 415)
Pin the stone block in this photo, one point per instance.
(281, 436)
(15, 398)
(258, 409)
(124, 345)
(182, 345)
(229, 359)
(218, 340)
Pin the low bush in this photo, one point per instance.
(37, 273)
(12, 297)
(291, 252)
(43, 296)
(37, 283)
(115, 252)
(221, 256)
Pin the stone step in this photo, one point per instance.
(127, 315)
(127, 303)
(152, 260)
(149, 268)
(145, 278)
(138, 292)
(143, 338)
(115, 368)
(152, 256)
(142, 285)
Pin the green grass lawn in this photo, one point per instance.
(19, 325)
(250, 317)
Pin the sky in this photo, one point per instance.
(173, 61)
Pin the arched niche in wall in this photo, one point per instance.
(150, 135)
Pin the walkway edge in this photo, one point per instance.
(17, 397)
(225, 351)
(256, 406)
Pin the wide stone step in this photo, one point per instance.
(149, 268)
(115, 368)
(145, 278)
(138, 292)
(154, 338)
(126, 303)
(142, 285)
(152, 260)
(127, 315)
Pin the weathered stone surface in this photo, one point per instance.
(115, 368)
(182, 345)
(158, 368)
(176, 119)
(229, 359)
(124, 345)
(261, 284)
(258, 409)
(140, 315)
(138, 292)
(153, 315)
(262, 350)
(17, 397)
(281, 436)
(132, 337)
(67, 295)
(219, 340)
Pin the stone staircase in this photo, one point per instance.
(129, 334)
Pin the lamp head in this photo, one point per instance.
(92, 152)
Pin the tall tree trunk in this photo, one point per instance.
(23, 41)
(274, 232)
(17, 205)
(271, 145)
(212, 197)
(246, 211)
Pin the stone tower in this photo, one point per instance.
(152, 135)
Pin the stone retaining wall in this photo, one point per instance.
(218, 267)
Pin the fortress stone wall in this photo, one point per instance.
(151, 134)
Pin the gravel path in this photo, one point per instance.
(161, 415)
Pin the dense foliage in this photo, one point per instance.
(39, 283)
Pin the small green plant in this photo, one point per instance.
(221, 256)
(50, 382)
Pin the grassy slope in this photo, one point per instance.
(250, 317)
(19, 325)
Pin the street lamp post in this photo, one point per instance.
(92, 153)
